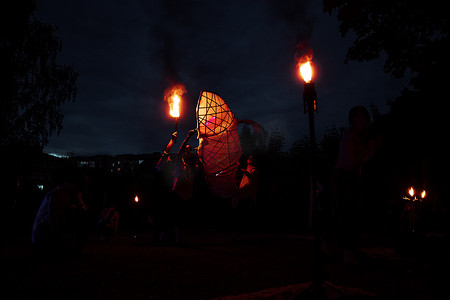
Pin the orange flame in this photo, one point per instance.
(306, 71)
(305, 67)
(173, 97)
(175, 107)
(411, 192)
(136, 198)
(423, 195)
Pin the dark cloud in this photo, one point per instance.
(127, 53)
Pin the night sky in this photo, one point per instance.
(128, 52)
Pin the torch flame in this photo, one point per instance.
(136, 199)
(173, 97)
(306, 71)
(411, 192)
(424, 193)
(175, 107)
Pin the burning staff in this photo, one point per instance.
(309, 93)
(310, 108)
(173, 97)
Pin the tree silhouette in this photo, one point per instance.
(412, 34)
(248, 141)
(276, 142)
(34, 86)
(414, 38)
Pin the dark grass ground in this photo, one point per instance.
(208, 265)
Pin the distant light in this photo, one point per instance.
(136, 199)
(58, 155)
(40, 186)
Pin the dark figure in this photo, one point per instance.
(176, 176)
(59, 229)
(355, 149)
(244, 202)
(185, 167)
(108, 224)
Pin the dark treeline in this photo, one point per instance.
(283, 193)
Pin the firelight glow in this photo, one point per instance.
(173, 97)
(424, 193)
(411, 191)
(136, 199)
(306, 71)
(175, 107)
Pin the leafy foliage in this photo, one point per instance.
(35, 85)
(410, 33)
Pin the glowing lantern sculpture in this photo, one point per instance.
(219, 145)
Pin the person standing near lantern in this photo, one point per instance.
(244, 201)
(355, 149)
(175, 184)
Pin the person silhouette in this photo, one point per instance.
(176, 177)
(356, 147)
(244, 201)
(59, 226)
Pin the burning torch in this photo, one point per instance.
(412, 207)
(310, 107)
(173, 97)
(309, 93)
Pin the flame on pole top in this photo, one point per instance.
(305, 67)
(306, 71)
(173, 97)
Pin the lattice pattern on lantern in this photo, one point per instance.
(219, 145)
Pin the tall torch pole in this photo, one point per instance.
(310, 108)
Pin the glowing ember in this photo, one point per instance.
(173, 97)
(411, 192)
(306, 71)
(136, 199)
(424, 193)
